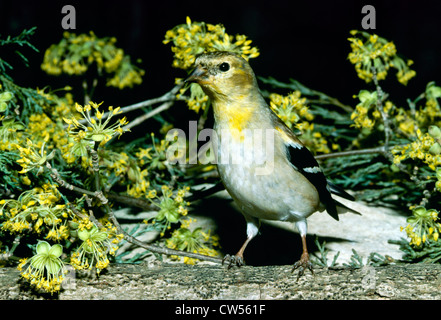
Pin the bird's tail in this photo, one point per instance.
(342, 193)
(345, 208)
(339, 191)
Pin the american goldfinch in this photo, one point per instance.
(279, 181)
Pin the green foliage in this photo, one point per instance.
(8, 183)
(355, 262)
(21, 40)
(27, 99)
(375, 259)
(429, 253)
(322, 258)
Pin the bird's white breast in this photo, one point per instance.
(260, 179)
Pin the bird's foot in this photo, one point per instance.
(303, 264)
(236, 260)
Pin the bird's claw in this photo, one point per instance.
(302, 265)
(234, 260)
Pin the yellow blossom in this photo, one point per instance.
(377, 53)
(193, 38)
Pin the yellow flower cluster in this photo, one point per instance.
(195, 241)
(292, 109)
(42, 128)
(366, 113)
(374, 52)
(128, 171)
(198, 99)
(37, 210)
(74, 54)
(430, 113)
(95, 247)
(405, 123)
(193, 38)
(94, 131)
(32, 158)
(420, 149)
(126, 76)
(45, 269)
(171, 206)
(423, 225)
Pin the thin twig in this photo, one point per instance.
(144, 117)
(76, 211)
(58, 179)
(351, 153)
(133, 202)
(167, 97)
(380, 97)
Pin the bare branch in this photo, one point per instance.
(167, 97)
(381, 149)
(148, 115)
(380, 97)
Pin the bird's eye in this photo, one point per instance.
(224, 67)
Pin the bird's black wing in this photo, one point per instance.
(303, 160)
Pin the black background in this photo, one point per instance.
(304, 40)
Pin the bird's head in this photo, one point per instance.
(223, 76)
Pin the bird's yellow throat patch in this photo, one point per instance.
(233, 117)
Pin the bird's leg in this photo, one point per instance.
(237, 259)
(252, 230)
(304, 262)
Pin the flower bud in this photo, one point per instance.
(6, 96)
(419, 212)
(435, 132)
(435, 149)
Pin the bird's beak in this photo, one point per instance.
(198, 75)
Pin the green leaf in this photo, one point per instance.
(43, 247)
(6, 96)
(83, 234)
(365, 95)
(99, 236)
(98, 137)
(38, 261)
(53, 266)
(432, 90)
(56, 250)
